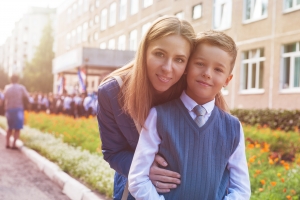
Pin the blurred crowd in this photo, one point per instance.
(76, 105)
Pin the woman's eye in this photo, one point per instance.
(159, 54)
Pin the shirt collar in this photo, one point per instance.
(189, 103)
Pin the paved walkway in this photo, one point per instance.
(20, 179)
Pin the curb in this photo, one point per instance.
(70, 186)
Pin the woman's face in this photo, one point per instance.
(166, 60)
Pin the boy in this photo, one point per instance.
(199, 140)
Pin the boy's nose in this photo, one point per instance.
(207, 73)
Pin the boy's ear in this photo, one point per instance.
(228, 80)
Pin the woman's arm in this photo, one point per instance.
(115, 147)
(140, 186)
(239, 183)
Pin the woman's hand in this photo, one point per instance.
(163, 179)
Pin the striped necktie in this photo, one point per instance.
(200, 112)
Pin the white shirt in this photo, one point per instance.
(141, 187)
(67, 102)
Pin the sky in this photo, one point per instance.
(12, 11)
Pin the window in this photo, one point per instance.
(197, 11)
(112, 14)
(97, 3)
(92, 8)
(252, 71)
(147, 3)
(122, 42)
(96, 19)
(133, 40)
(290, 79)
(290, 5)
(79, 36)
(79, 7)
(134, 6)
(91, 23)
(84, 32)
(73, 38)
(255, 9)
(111, 44)
(222, 14)
(74, 13)
(103, 45)
(103, 19)
(85, 6)
(123, 9)
(68, 41)
(180, 15)
(96, 36)
(145, 28)
(69, 15)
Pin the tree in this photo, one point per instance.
(4, 80)
(37, 74)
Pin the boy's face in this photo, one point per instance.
(207, 72)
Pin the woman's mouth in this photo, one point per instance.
(163, 78)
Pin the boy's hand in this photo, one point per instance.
(163, 179)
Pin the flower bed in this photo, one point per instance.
(273, 156)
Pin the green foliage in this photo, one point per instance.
(287, 120)
(37, 75)
(4, 80)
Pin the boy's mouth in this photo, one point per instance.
(204, 83)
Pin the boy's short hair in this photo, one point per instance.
(221, 40)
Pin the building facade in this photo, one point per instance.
(267, 33)
(20, 47)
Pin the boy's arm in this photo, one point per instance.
(140, 186)
(239, 184)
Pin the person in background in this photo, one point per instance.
(88, 105)
(14, 95)
(67, 104)
(77, 103)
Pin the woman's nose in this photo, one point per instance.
(167, 66)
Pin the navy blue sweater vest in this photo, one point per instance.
(200, 155)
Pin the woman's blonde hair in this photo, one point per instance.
(136, 94)
(224, 42)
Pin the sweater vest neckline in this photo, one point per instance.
(190, 120)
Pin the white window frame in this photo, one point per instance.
(103, 25)
(133, 40)
(85, 6)
(134, 7)
(252, 59)
(180, 15)
(222, 14)
(255, 9)
(145, 28)
(123, 10)
(112, 14)
(294, 7)
(122, 42)
(80, 7)
(197, 11)
(147, 3)
(102, 45)
(111, 44)
(292, 56)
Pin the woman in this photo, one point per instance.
(152, 78)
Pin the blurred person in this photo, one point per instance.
(88, 105)
(1, 103)
(14, 95)
(77, 102)
(44, 102)
(67, 104)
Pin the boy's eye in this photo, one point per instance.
(200, 64)
(219, 70)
